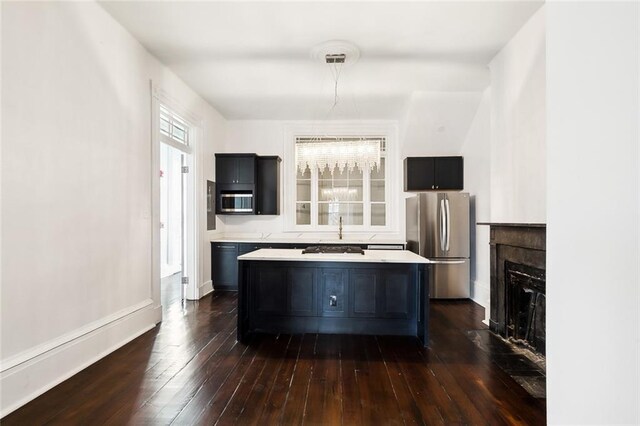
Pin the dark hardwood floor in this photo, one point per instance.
(191, 370)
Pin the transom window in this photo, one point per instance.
(358, 195)
(173, 127)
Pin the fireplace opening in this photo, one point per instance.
(525, 305)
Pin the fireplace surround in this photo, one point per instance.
(518, 285)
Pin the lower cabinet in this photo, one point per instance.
(298, 291)
(381, 295)
(397, 295)
(364, 292)
(270, 295)
(224, 266)
(301, 290)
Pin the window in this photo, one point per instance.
(358, 196)
(173, 127)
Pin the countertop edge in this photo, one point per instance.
(370, 256)
(303, 241)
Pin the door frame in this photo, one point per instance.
(190, 244)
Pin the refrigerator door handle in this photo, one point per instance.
(448, 224)
(442, 226)
(447, 262)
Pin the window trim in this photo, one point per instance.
(386, 129)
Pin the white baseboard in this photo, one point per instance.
(157, 314)
(482, 296)
(205, 288)
(29, 374)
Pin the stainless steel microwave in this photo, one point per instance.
(236, 201)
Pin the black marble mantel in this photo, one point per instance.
(523, 243)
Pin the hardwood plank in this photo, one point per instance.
(351, 408)
(239, 399)
(295, 404)
(198, 406)
(257, 398)
(242, 372)
(324, 397)
(190, 370)
(274, 405)
(377, 400)
(408, 407)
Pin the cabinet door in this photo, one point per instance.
(449, 172)
(244, 248)
(397, 301)
(419, 174)
(270, 295)
(225, 169)
(267, 186)
(363, 287)
(224, 264)
(245, 169)
(302, 292)
(333, 294)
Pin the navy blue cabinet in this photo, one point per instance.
(224, 266)
(332, 297)
(268, 186)
(236, 168)
(433, 173)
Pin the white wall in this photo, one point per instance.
(518, 173)
(436, 123)
(593, 330)
(476, 151)
(77, 190)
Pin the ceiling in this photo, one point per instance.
(252, 60)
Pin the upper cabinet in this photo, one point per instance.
(236, 168)
(433, 173)
(268, 185)
(247, 184)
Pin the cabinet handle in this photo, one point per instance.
(432, 186)
(436, 186)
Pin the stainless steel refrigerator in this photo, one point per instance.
(438, 229)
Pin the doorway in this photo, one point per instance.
(172, 223)
(175, 252)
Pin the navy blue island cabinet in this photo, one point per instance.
(277, 294)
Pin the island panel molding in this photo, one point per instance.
(334, 296)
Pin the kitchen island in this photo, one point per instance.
(379, 292)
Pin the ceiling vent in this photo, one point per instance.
(335, 58)
(336, 52)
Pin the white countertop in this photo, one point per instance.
(370, 256)
(305, 240)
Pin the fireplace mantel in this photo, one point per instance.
(521, 243)
(517, 225)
